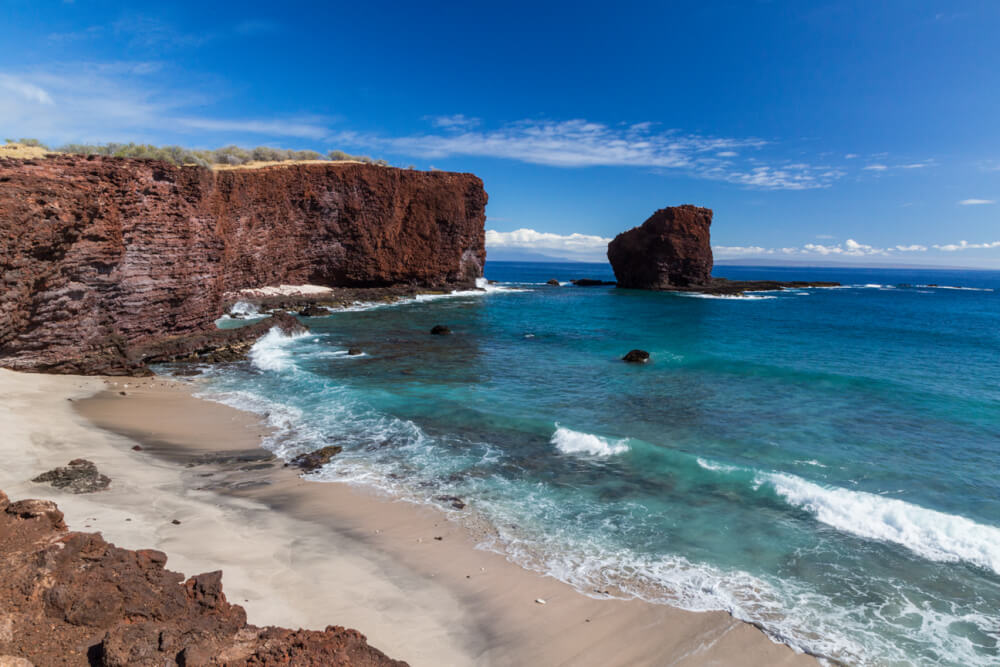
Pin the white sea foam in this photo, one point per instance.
(811, 462)
(569, 441)
(715, 467)
(272, 351)
(969, 289)
(736, 297)
(931, 534)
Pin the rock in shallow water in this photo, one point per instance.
(80, 476)
(316, 460)
(636, 357)
(440, 330)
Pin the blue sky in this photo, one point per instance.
(849, 131)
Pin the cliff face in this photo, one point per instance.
(101, 255)
(671, 249)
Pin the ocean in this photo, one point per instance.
(823, 463)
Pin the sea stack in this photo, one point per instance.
(672, 249)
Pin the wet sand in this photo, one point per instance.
(307, 554)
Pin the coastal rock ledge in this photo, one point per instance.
(101, 258)
(72, 598)
(671, 249)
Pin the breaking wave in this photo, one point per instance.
(569, 441)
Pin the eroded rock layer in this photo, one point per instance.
(101, 256)
(69, 598)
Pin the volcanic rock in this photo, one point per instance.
(314, 311)
(636, 357)
(80, 476)
(553, 282)
(354, 351)
(440, 330)
(101, 258)
(315, 460)
(73, 599)
(670, 249)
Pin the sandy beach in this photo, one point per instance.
(307, 554)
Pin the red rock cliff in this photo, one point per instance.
(105, 254)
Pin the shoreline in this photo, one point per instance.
(299, 553)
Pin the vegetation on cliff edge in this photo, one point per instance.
(227, 156)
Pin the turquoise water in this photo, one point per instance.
(824, 463)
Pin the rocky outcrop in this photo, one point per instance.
(80, 476)
(102, 257)
(311, 461)
(71, 598)
(671, 249)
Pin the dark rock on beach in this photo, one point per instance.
(69, 598)
(636, 357)
(553, 282)
(314, 311)
(80, 476)
(440, 330)
(454, 501)
(354, 351)
(315, 460)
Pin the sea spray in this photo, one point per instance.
(272, 351)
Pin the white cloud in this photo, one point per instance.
(976, 202)
(849, 248)
(875, 167)
(454, 121)
(851, 156)
(723, 251)
(572, 245)
(965, 245)
(727, 154)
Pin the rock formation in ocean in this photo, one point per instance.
(101, 257)
(72, 598)
(671, 249)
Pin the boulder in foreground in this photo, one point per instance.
(671, 249)
(71, 598)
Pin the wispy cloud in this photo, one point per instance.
(965, 245)
(581, 143)
(875, 167)
(572, 246)
(454, 121)
(849, 248)
(123, 102)
(26, 90)
(976, 202)
(286, 128)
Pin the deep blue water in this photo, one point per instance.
(822, 462)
